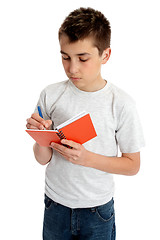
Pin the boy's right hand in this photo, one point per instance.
(36, 122)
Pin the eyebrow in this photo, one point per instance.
(79, 54)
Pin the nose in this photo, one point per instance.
(73, 67)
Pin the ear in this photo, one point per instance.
(106, 55)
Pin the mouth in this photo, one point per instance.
(75, 78)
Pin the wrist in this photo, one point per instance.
(88, 159)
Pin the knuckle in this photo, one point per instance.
(79, 146)
(75, 158)
(78, 154)
(65, 149)
(28, 120)
(33, 115)
(70, 159)
(40, 126)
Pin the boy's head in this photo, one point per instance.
(87, 22)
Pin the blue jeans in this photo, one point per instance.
(63, 223)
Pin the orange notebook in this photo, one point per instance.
(79, 129)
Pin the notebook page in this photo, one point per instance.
(71, 120)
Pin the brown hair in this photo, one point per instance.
(87, 22)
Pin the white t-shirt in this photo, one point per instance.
(116, 122)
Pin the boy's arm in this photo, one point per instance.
(42, 154)
(127, 164)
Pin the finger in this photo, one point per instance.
(48, 124)
(62, 149)
(58, 147)
(45, 123)
(70, 143)
(39, 122)
(32, 123)
(66, 155)
(36, 117)
(28, 126)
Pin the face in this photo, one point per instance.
(82, 63)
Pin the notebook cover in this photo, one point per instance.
(80, 131)
(44, 137)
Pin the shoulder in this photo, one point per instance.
(50, 95)
(54, 90)
(121, 98)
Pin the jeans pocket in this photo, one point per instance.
(47, 202)
(106, 212)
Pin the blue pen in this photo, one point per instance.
(40, 112)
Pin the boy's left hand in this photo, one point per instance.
(77, 154)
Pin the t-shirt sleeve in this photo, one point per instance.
(129, 133)
(42, 103)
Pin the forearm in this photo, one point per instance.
(42, 154)
(116, 165)
(128, 164)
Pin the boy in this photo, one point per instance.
(79, 185)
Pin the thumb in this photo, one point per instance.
(48, 124)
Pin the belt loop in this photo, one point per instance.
(93, 209)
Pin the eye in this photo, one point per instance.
(83, 60)
(65, 58)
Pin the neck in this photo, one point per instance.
(97, 86)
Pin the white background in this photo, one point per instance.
(30, 60)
